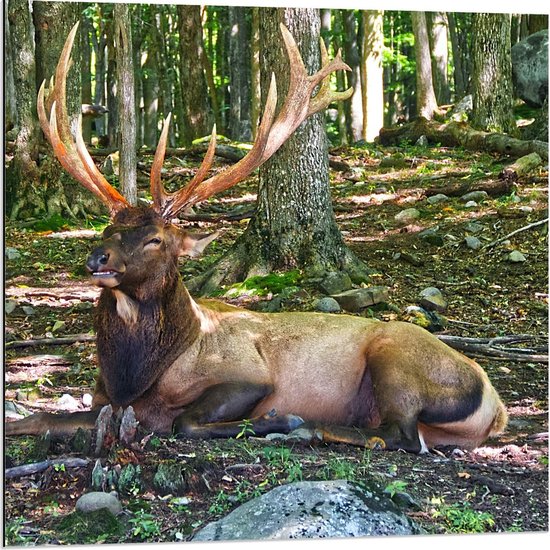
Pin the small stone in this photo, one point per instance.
(96, 500)
(432, 236)
(516, 257)
(430, 320)
(357, 299)
(87, 399)
(12, 253)
(15, 411)
(302, 435)
(435, 199)
(407, 216)
(474, 227)
(473, 242)
(526, 209)
(335, 282)
(67, 402)
(28, 310)
(475, 196)
(9, 306)
(470, 204)
(422, 141)
(432, 299)
(327, 305)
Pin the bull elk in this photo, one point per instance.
(200, 368)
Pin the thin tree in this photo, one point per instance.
(439, 41)
(294, 224)
(352, 37)
(372, 74)
(126, 101)
(492, 88)
(426, 103)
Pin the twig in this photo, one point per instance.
(64, 340)
(525, 228)
(36, 467)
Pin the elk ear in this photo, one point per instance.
(193, 245)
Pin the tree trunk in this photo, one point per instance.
(426, 103)
(440, 56)
(351, 57)
(492, 74)
(294, 225)
(239, 75)
(126, 102)
(99, 42)
(337, 37)
(151, 85)
(112, 103)
(372, 73)
(209, 76)
(255, 99)
(193, 88)
(459, 74)
(86, 76)
(23, 175)
(10, 104)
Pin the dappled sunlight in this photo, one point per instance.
(64, 294)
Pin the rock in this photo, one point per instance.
(302, 435)
(470, 204)
(327, 305)
(435, 199)
(14, 410)
(432, 236)
(170, 478)
(311, 510)
(410, 258)
(516, 257)
(87, 399)
(28, 310)
(474, 227)
(475, 196)
(462, 109)
(12, 253)
(129, 480)
(335, 282)
(473, 242)
(422, 141)
(432, 299)
(430, 320)
(530, 68)
(9, 306)
(96, 500)
(67, 402)
(357, 299)
(407, 216)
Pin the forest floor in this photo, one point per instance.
(500, 487)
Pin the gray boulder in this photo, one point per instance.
(432, 299)
(97, 500)
(327, 305)
(310, 510)
(530, 68)
(360, 298)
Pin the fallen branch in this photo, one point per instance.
(524, 228)
(37, 467)
(452, 134)
(521, 167)
(61, 341)
(494, 347)
(492, 188)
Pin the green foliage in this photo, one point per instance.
(395, 487)
(246, 429)
(281, 458)
(144, 525)
(262, 285)
(54, 223)
(12, 532)
(461, 518)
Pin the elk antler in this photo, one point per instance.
(72, 154)
(271, 134)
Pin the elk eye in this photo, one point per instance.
(154, 241)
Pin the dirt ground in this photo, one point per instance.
(500, 487)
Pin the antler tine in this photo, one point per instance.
(74, 157)
(272, 132)
(158, 193)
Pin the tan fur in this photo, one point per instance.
(126, 308)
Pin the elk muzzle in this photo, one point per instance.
(105, 267)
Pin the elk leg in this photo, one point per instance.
(59, 425)
(392, 435)
(221, 409)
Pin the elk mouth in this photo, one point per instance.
(107, 277)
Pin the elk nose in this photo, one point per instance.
(97, 259)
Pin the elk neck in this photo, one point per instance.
(139, 338)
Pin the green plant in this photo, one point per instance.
(246, 429)
(339, 468)
(262, 285)
(12, 533)
(394, 487)
(144, 525)
(220, 505)
(282, 458)
(461, 518)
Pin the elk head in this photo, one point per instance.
(142, 242)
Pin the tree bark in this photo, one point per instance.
(426, 102)
(239, 75)
(492, 89)
(9, 83)
(354, 109)
(255, 99)
(294, 225)
(459, 74)
(151, 84)
(372, 72)
(440, 56)
(193, 88)
(126, 102)
(86, 76)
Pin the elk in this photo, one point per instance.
(199, 368)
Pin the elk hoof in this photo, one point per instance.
(375, 443)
